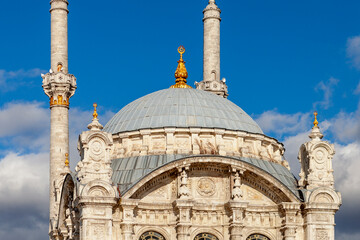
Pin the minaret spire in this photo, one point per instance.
(59, 86)
(211, 70)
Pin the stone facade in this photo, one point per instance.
(217, 192)
(226, 198)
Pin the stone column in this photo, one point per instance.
(290, 211)
(59, 34)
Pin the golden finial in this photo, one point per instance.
(66, 159)
(315, 121)
(181, 50)
(95, 114)
(181, 73)
(59, 67)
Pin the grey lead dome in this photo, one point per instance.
(181, 108)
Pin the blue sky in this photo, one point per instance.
(282, 60)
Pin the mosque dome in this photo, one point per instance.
(181, 107)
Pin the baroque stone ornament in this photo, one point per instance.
(59, 87)
(322, 234)
(206, 187)
(236, 192)
(315, 157)
(95, 150)
(184, 191)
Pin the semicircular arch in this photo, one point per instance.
(211, 231)
(279, 191)
(157, 229)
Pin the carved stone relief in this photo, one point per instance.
(322, 234)
(206, 187)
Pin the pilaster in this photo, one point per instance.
(290, 225)
(170, 140)
(128, 220)
(237, 209)
(183, 207)
(96, 217)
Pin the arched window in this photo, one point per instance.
(151, 236)
(257, 237)
(205, 236)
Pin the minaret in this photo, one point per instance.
(211, 70)
(59, 86)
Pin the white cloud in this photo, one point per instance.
(347, 180)
(26, 126)
(23, 117)
(347, 165)
(353, 50)
(278, 123)
(10, 80)
(346, 126)
(24, 196)
(327, 88)
(24, 177)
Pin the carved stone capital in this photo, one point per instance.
(184, 208)
(59, 87)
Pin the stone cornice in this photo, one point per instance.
(197, 141)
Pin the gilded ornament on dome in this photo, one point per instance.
(181, 73)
